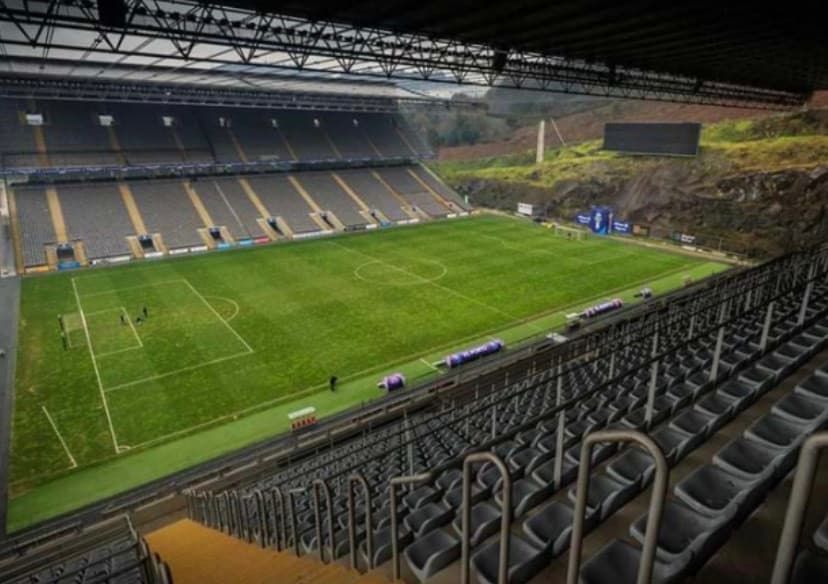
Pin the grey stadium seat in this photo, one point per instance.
(525, 560)
(430, 554)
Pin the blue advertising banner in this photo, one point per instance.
(582, 219)
(621, 227)
(600, 220)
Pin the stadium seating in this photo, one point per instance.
(231, 192)
(35, 223)
(374, 193)
(95, 213)
(330, 196)
(407, 186)
(86, 146)
(282, 199)
(694, 395)
(159, 133)
(218, 206)
(74, 136)
(108, 553)
(166, 209)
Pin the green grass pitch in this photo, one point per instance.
(234, 341)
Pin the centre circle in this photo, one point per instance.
(401, 272)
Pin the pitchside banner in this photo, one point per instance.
(525, 209)
(621, 227)
(600, 220)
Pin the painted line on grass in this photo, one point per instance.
(147, 285)
(104, 311)
(132, 326)
(218, 316)
(95, 367)
(169, 373)
(229, 300)
(62, 441)
(265, 405)
(427, 281)
(431, 365)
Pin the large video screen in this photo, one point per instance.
(653, 138)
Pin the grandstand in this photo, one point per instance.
(368, 389)
(93, 140)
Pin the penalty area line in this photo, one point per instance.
(177, 371)
(62, 441)
(95, 367)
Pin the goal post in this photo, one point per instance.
(569, 232)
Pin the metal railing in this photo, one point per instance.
(395, 542)
(279, 528)
(353, 480)
(292, 507)
(662, 477)
(795, 516)
(317, 486)
(505, 518)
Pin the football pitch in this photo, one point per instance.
(234, 341)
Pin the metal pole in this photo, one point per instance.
(795, 516)
(763, 343)
(261, 512)
(505, 520)
(395, 543)
(662, 477)
(316, 486)
(714, 370)
(648, 417)
(359, 478)
(292, 505)
(279, 513)
(611, 366)
(559, 430)
(808, 289)
(494, 423)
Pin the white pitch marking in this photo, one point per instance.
(62, 441)
(169, 373)
(431, 365)
(231, 301)
(425, 280)
(105, 310)
(116, 352)
(95, 367)
(218, 316)
(148, 285)
(132, 326)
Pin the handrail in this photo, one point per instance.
(292, 506)
(395, 544)
(359, 478)
(795, 515)
(505, 518)
(316, 486)
(261, 515)
(279, 535)
(662, 478)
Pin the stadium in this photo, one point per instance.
(412, 293)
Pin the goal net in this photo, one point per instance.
(569, 232)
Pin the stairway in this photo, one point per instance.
(199, 555)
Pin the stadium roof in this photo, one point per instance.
(760, 54)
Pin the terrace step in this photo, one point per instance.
(199, 555)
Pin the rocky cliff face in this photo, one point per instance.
(759, 213)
